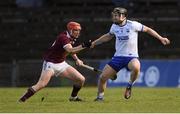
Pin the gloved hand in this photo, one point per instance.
(87, 44)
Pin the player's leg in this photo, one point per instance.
(134, 67)
(78, 79)
(107, 73)
(43, 81)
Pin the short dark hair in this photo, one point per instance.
(120, 10)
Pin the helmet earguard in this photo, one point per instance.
(119, 10)
(73, 26)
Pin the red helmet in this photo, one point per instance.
(73, 26)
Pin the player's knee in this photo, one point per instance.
(83, 80)
(102, 78)
(136, 70)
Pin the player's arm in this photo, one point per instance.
(164, 41)
(77, 60)
(104, 38)
(70, 49)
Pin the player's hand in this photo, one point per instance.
(87, 44)
(79, 62)
(165, 41)
(92, 45)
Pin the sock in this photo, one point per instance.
(75, 90)
(100, 95)
(129, 84)
(30, 92)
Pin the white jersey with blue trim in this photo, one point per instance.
(126, 38)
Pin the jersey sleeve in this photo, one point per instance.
(137, 26)
(63, 40)
(111, 32)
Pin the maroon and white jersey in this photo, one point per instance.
(56, 53)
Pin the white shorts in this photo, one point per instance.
(56, 68)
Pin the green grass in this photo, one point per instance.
(56, 100)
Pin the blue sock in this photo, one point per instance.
(129, 85)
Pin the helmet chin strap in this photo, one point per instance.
(72, 38)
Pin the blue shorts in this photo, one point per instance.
(119, 62)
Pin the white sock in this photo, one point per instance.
(100, 95)
(73, 97)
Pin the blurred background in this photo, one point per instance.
(29, 27)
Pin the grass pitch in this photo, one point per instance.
(158, 100)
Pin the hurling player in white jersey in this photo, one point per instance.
(126, 55)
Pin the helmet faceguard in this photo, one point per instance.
(74, 29)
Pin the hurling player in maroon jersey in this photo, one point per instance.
(55, 64)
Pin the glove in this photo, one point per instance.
(87, 44)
